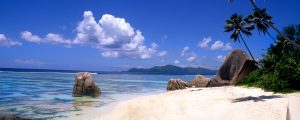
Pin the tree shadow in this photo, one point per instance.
(255, 99)
(195, 90)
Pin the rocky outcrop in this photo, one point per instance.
(199, 81)
(236, 66)
(176, 84)
(4, 116)
(84, 85)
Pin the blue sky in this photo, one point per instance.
(115, 35)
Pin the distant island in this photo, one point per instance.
(173, 70)
(163, 70)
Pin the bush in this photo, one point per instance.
(279, 69)
(267, 81)
(272, 82)
(252, 78)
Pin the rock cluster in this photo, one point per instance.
(176, 84)
(84, 85)
(199, 81)
(235, 68)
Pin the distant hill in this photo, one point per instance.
(173, 70)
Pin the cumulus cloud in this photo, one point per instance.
(113, 36)
(176, 61)
(184, 51)
(162, 53)
(217, 45)
(49, 38)
(191, 58)
(221, 58)
(4, 41)
(57, 39)
(26, 35)
(204, 43)
(220, 45)
(227, 46)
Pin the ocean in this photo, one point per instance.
(48, 94)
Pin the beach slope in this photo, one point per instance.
(217, 103)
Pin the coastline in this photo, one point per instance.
(229, 103)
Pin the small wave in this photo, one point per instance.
(93, 73)
(39, 72)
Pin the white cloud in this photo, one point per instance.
(49, 38)
(28, 62)
(162, 53)
(221, 58)
(191, 58)
(31, 38)
(176, 61)
(55, 38)
(112, 35)
(4, 41)
(2, 37)
(220, 45)
(217, 45)
(204, 43)
(184, 51)
(227, 46)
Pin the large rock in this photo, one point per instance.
(199, 81)
(236, 66)
(176, 84)
(84, 85)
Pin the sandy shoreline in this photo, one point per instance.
(226, 103)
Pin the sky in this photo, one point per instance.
(115, 35)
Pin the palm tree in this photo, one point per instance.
(238, 26)
(292, 32)
(259, 23)
(271, 25)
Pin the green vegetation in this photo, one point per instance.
(280, 68)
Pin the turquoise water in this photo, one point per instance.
(48, 95)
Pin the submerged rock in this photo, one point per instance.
(84, 85)
(176, 84)
(4, 116)
(236, 66)
(199, 81)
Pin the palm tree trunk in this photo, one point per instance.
(272, 26)
(247, 47)
(271, 37)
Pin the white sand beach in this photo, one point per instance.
(217, 103)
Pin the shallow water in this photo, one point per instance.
(48, 95)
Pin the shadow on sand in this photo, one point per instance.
(255, 99)
(195, 90)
